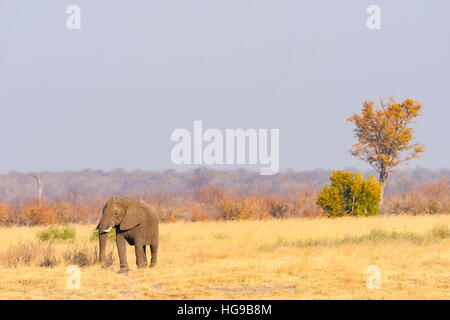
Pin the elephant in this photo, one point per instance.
(135, 222)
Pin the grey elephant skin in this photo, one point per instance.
(135, 222)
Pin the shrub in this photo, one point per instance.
(277, 207)
(440, 231)
(81, 256)
(350, 194)
(426, 198)
(27, 254)
(3, 213)
(229, 210)
(48, 258)
(110, 236)
(55, 233)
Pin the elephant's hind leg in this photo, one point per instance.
(154, 249)
(141, 258)
(145, 255)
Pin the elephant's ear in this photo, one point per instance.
(133, 217)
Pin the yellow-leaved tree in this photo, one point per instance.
(385, 137)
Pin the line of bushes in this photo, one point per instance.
(213, 203)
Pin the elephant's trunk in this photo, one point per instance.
(102, 245)
(104, 226)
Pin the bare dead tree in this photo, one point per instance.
(40, 186)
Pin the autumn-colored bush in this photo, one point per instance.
(229, 210)
(263, 207)
(33, 212)
(3, 213)
(40, 213)
(277, 207)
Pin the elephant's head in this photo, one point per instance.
(119, 213)
(112, 215)
(116, 213)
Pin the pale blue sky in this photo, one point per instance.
(109, 95)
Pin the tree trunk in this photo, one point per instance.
(380, 204)
(40, 186)
(382, 178)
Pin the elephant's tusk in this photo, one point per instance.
(107, 230)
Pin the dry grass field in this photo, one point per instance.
(264, 259)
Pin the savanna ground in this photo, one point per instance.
(317, 258)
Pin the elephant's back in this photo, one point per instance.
(151, 211)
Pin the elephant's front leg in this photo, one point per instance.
(122, 249)
(141, 257)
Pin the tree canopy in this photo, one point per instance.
(385, 137)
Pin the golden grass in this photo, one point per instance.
(246, 260)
